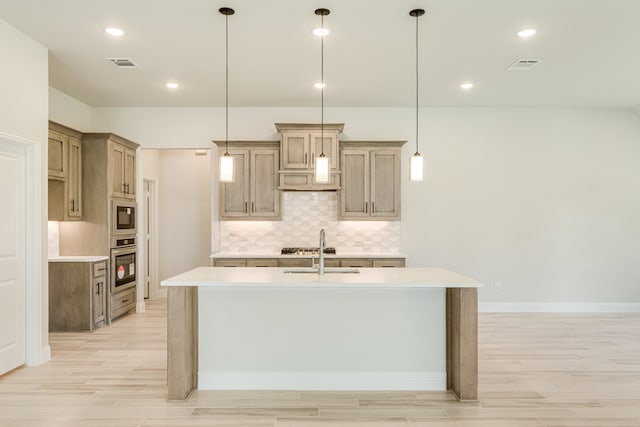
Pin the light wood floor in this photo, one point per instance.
(535, 370)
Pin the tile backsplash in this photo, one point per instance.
(304, 213)
(54, 238)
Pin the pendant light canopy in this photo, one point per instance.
(226, 160)
(416, 167)
(322, 161)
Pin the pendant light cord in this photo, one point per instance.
(417, 152)
(322, 87)
(226, 85)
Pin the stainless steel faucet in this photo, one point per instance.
(321, 253)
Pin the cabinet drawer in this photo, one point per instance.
(294, 262)
(123, 302)
(356, 262)
(229, 263)
(262, 262)
(100, 269)
(398, 262)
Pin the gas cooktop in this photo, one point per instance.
(306, 251)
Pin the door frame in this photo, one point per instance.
(37, 350)
(152, 255)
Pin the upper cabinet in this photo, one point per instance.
(65, 173)
(122, 169)
(253, 194)
(300, 144)
(370, 180)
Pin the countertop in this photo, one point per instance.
(79, 258)
(271, 277)
(224, 255)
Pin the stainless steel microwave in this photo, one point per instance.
(123, 218)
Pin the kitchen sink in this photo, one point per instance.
(327, 270)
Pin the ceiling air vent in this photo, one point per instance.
(523, 64)
(122, 62)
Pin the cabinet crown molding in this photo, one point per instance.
(112, 137)
(309, 126)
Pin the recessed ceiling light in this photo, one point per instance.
(319, 85)
(172, 85)
(114, 31)
(320, 32)
(466, 86)
(527, 32)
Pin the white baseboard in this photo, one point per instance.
(45, 354)
(322, 381)
(558, 307)
(140, 307)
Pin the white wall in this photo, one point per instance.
(636, 110)
(543, 201)
(184, 214)
(68, 111)
(23, 113)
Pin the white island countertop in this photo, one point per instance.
(78, 258)
(278, 278)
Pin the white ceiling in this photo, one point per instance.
(590, 51)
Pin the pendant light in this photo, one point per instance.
(226, 160)
(322, 161)
(416, 169)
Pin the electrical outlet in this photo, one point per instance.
(497, 287)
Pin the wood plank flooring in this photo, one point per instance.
(535, 370)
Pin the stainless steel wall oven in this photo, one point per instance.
(122, 297)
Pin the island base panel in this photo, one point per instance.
(462, 343)
(182, 342)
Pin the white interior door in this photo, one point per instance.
(12, 256)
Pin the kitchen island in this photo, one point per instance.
(269, 328)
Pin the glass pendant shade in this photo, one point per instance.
(226, 168)
(322, 169)
(416, 168)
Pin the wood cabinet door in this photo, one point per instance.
(130, 173)
(116, 170)
(74, 179)
(234, 196)
(295, 150)
(385, 183)
(327, 143)
(265, 196)
(99, 299)
(354, 196)
(57, 155)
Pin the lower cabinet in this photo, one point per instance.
(308, 262)
(77, 296)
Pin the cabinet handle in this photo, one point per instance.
(373, 207)
(125, 300)
(102, 269)
(366, 207)
(97, 288)
(73, 206)
(245, 207)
